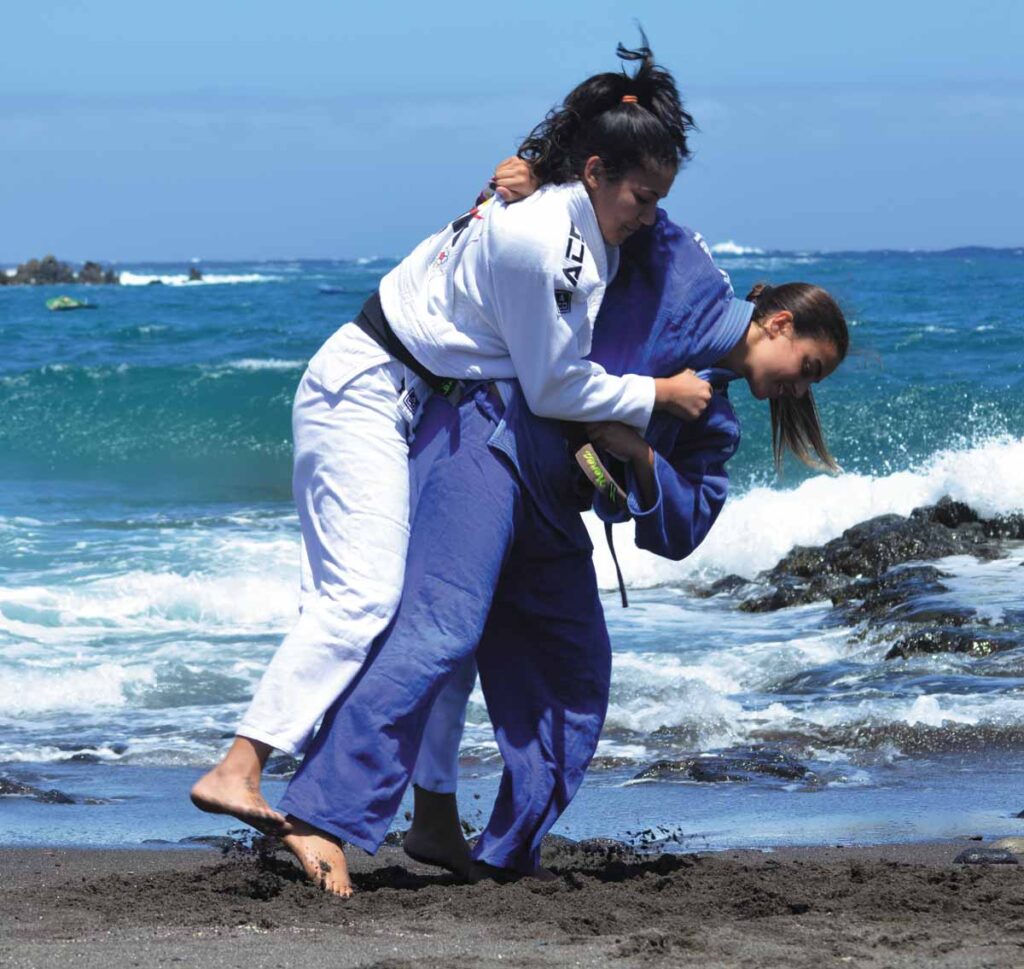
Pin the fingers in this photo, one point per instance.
(511, 165)
(513, 179)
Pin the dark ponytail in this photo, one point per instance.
(796, 425)
(648, 128)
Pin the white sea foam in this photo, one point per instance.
(153, 603)
(731, 248)
(181, 279)
(255, 365)
(32, 691)
(758, 528)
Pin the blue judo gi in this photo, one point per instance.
(499, 566)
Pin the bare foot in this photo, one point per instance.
(321, 857)
(233, 787)
(435, 837)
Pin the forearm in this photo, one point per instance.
(643, 471)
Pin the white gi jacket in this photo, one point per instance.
(504, 291)
(513, 291)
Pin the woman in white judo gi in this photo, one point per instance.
(503, 291)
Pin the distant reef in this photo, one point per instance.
(50, 271)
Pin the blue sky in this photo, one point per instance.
(260, 130)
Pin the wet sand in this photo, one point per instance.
(903, 905)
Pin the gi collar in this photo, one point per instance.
(581, 211)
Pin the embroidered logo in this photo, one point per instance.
(563, 300)
(409, 404)
(574, 251)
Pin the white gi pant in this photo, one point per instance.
(351, 488)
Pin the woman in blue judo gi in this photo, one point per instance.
(499, 566)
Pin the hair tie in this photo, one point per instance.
(630, 99)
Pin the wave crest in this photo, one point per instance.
(758, 528)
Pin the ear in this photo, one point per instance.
(779, 324)
(593, 172)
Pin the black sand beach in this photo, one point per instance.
(907, 905)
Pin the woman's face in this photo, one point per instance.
(623, 206)
(782, 364)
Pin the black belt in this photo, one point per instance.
(372, 321)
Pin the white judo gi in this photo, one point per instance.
(503, 291)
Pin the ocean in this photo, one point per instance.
(149, 567)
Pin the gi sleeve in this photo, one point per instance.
(543, 318)
(691, 481)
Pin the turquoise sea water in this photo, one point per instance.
(149, 559)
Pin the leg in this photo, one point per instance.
(545, 668)
(360, 762)
(351, 489)
(436, 836)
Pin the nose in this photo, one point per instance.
(801, 387)
(649, 215)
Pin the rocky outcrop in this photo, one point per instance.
(850, 566)
(869, 577)
(985, 856)
(738, 764)
(50, 271)
(857, 564)
(94, 274)
(12, 788)
(945, 640)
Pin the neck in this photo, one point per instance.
(736, 359)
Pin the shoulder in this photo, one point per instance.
(678, 251)
(532, 232)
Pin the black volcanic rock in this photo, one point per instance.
(985, 856)
(42, 272)
(741, 764)
(946, 512)
(856, 565)
(94, 274)
(13, 788)
(281, 765)
(876, 597)
(1005, 526)
(91, 272)
(943, 640)
(50, 271)
(728, 583)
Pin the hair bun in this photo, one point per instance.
(757, 291)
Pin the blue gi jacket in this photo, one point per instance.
(671, 307)
(668, 308)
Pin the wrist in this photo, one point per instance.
(660, 394)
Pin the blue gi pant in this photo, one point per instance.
(499, 565)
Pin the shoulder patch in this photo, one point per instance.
(563, 300)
